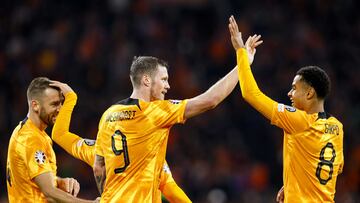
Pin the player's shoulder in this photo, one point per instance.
(167, 102)
(125, 104)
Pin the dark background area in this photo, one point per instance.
(229, 154)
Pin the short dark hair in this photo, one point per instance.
(144, 65)
(37, 87)
(316, 78)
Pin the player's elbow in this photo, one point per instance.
(211, 103)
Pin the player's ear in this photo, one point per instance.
(146, 80)
(35, 105)
(311, 93)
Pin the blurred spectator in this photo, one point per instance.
(228, 155)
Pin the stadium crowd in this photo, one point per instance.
(230, 154)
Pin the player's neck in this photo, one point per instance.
(141, 94)
(315, 107)
(36, 121)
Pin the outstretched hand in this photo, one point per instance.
(236, 38)
(251, 43)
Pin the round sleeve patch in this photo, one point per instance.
(40, 157)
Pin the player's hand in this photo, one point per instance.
(236, 38)
(65, 88)
(251, 43)
(97, 200)
(69, 185)
(280, 195)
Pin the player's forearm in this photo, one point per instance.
(99, 173)
(56, 195)
(100, 181)
(249, 89)
(213, 96)
(62, 123)
(220, 90)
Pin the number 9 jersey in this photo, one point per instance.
(132, 138)
(312, 153)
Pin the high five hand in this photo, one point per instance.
(236, 39)
(251, 43)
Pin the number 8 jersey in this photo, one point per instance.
(132, 138)
(312, 153)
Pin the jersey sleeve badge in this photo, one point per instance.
(40, 157)
(175, 101)
(290, 108)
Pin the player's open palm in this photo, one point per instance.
(236, 38)
(251, 43)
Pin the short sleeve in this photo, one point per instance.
(169, 112)
(37, 157)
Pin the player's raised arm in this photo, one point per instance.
(249, 89)
(60, 132)
(220, 90)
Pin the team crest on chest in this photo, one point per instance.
(40, 157)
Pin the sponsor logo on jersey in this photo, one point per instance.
(40, 157)
(175, 101)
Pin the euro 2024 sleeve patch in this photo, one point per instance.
(88, 142)
(40, 157)
(175, 101)
(282, 107)
(290, 108)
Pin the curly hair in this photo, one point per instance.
(316, 78)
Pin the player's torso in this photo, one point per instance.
(21, 187)
(312, 161)
(134, 151)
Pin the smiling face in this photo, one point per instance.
(49, 106)
(159, 84)
(298, 93)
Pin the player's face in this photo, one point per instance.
(50, 105)
(159, 84)
(298, 93)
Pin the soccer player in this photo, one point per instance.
(84, 149)
(31, 162)
(313, 139)
(133, 133)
